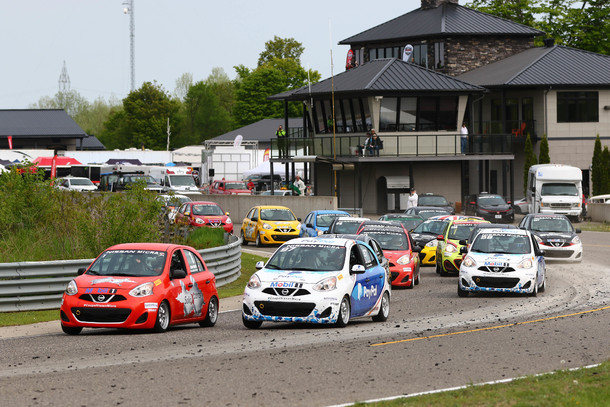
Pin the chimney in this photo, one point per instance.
(549, 42)
(428, 4)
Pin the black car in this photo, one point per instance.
(427, 232)
(438, 201)
(344, 225)
(427, 212)
(556, 236)
(491, 207)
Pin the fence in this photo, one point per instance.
(29, 286)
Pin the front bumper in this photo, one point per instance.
(402, 275)
(276, 236)
(477, 280)
(571, 253)
(427, 256)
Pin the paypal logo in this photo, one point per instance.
(364, 292)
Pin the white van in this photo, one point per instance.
(175, 179)
(555, 189)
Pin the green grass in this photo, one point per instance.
(593, 226)
(583, 387)
(248, 262)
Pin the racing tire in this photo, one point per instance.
(251, 324)
(534, 292)
(412, 285)
(462, 293)
(212, 317)
(344, 313)
(258, 240)
(244, 242)
(163, 318)
(384, 310)
(71, 330)
(438, 268)
(543, 286)
(417, 281)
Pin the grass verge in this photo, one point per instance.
(248, 262)
(582, 387)
(593, 226)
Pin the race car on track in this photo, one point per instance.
(502, 260)
(448, 257)
(314, 280)
(269, 224)
(556, 235)
(424, 236)
(141, 286)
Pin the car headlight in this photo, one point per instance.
(142, 290)
(406, 259)
(199, 221)
(469, 262)
(320, 232)
(576, 240)
(229, 221)
(432, 243)
(450, 249)
(327, 284)
(299, 226)
(267, 226)
(538, 239)
(72, 288)
(254, 282)
(525, 264)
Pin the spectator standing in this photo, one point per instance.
(300, 185)
(464, 138)
(412, 200)
(251, 185)
(282, 142)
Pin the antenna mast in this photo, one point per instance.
(64, 80)
(129, 9)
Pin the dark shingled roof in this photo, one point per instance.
(553, 66)
(38, 123)
(383, 77)
(262, 131)
(445, 20)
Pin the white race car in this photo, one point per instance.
(325, 281)
(503, 260)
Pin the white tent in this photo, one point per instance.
(265, 169)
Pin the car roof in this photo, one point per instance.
(329, 211)
(147, 246)
(382, 228)
(504, 231)
(334, 241)
(270, 207)
(202, 203)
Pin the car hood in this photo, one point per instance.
(499, 259)
(292, 278)
(123, 282)
(423, 237)
(393, 255)
(496, 207)
(555, 236)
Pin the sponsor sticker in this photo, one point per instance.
(285, 284)
(151, 305)
(158, 282)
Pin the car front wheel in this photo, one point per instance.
(244, 242)
(384, 310)
(258, 240)
(251, 324)
(163, 317)
(344, 313)
(71, 330)
(462, 293)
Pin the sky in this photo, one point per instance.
(172, 37)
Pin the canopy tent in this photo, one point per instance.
(60, 160)
(123, 161)
(265, 169)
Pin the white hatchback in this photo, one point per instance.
(324, 281)
(76, 184)
(502, 260)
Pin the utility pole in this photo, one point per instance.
(168, 133)
(129, 9)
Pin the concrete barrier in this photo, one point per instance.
(598, 212)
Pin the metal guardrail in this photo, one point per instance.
(30, 286)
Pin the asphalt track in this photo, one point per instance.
(432, 340)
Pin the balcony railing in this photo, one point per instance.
(343, 146)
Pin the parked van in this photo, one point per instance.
(555, 189)
(177, 179)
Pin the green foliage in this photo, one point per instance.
(530, 159)
(597, 169)
(544, 157)
(281, 48)
(204, 237)
(71, 101)
(605, 178)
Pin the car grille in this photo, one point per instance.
(99, 298)
(286, 229)
(101, 315)
(560, 205)
(560, 254)
(495, 282)
(497, 269)
(556, 244)
(393, 275)
(285, 292)
(284, 309)
(282, 238)
(215, 223)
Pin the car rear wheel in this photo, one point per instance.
(251, 324)
(71, 330)
(163, 317)
(344, 313)
(212, 317)
(384, 311)
(438, 268)
(418, 278)
(462, 293)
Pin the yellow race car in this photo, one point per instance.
(448, 256)
(269, 224)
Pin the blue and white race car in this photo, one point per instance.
(323, 281)
(503, 260)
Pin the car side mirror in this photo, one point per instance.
(81, 271)
(299, 219)
(177, 274)
(357, 269)
(416, 249)
(540, 252)
(463, 242)
(255, 219)
(226, 213)
(440, 237)
(578, 231)
(259, 265)
(463, 250)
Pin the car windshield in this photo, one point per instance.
(390, 241)
(460, 232)
(314, 257)
(236, 185)
(551, 224)
(428, 213)
(409, 223)
(81, 181)
(207, 210)
(130, 263)
(559, 189)
(432, 200)
(182, 180)
(346, 227)
(324, 220)
(432, 227)
(501, 243)
(491, 200)
(277, 215)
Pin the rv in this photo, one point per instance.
(555, 189)
(177, 179)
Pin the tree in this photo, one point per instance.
(251, 104)
(597, 167)
(281, 48)
(93, 117)
(183, 84)
(71, 101)
(530, 159)
(544, 157)
(605, 172)
(579, 24)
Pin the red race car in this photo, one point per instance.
(141, 286)
(204, 214)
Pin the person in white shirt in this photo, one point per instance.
(300, 185)
(464, 138)
(412, 200)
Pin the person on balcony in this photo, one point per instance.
(375, 144)
(282, 142)
(464, 138)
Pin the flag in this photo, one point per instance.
(54, 166)
(266, 155)
(10, 142)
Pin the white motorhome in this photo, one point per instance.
(177, 179)
(555, 189)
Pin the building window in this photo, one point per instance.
(577, 107)
(407, 119)
(387, 114)
(439, 55)
(420, 55)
